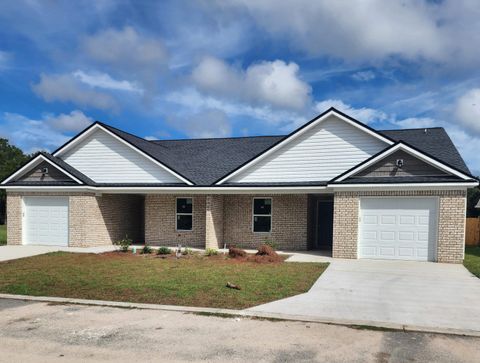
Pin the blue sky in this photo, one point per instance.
(178, 69)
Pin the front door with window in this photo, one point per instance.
(321, 219)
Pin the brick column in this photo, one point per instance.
(345, 225)
(214, 221)
(14, 219)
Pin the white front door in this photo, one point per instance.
(398, 228)
(45, 221)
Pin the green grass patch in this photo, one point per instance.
(192, 281)
(3, 234)
(472, 260)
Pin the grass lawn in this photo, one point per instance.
(472, 260)
(3, 234)
(193, 281)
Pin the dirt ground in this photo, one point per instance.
(39, 332)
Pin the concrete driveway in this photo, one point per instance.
(14, 252)
(425, 295)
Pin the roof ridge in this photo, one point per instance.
(217, 138)
(414, 128)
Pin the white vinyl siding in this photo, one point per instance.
(104, 159)
(321, 153)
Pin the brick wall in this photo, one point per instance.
(214, 221)
(160, 221)
(451, 224)
(93, 220)
(289, 222)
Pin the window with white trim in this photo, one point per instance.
(262, 214)
(184, 214)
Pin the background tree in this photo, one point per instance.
(11, 158)
(473, 197)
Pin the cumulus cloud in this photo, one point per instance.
(372, 30)
(204, 124)
(363, 114)
(32, 135)
(73, 122)
(128, 52)
(274, 83)
(103, 80)
(467, 110)
(65, 88)
(415, 122)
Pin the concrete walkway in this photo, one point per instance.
(14, 252)
(428, 295)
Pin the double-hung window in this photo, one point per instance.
(262, 214)
(184, 214)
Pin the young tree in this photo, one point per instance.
(11, 158)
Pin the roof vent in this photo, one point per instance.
(44, 171)
(399, 163)
(425, 131)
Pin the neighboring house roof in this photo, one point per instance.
(205, 161)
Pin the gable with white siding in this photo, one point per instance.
(105, 159)
(319, 154)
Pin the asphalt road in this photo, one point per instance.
(41, 332)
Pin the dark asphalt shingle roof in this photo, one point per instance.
(203, 161)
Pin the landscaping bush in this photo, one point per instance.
(211, 252)
(124, 244)
(235, 252)
(266, 250)
(187, 251)
(270, 243)
(146, 250)
(164, 251)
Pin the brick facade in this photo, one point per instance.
(93, 220)
(214, 208)
(160, 223)
(451, 221)
(289, 222)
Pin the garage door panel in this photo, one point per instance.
(405, 228)
(45, 221)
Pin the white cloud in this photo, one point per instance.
(31, 135)
(273, 83)
(415, 122)
(65, 88)
(205, 124)
(363, 76)
(103, 80)
(467, 110)
(363, 114)
(5, 58)
(128, 53)
(372, 30)
(73, 122)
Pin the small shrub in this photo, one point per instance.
(266, 250)
(235, 252)
(164, 251)
(146, 250)
(187, 251)
(211, 252)
(124, 244)
(270, 243)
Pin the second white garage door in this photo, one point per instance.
(45, 221)
(398, 228)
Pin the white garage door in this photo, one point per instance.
(45, 221)
(398, 228)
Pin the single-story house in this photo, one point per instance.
(334, 184)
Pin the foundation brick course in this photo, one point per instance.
(451, 221)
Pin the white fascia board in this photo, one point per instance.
(174, 190)
(98, 126)
(300, 132)
(404, 186)
(406, 148)
(34, 162)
